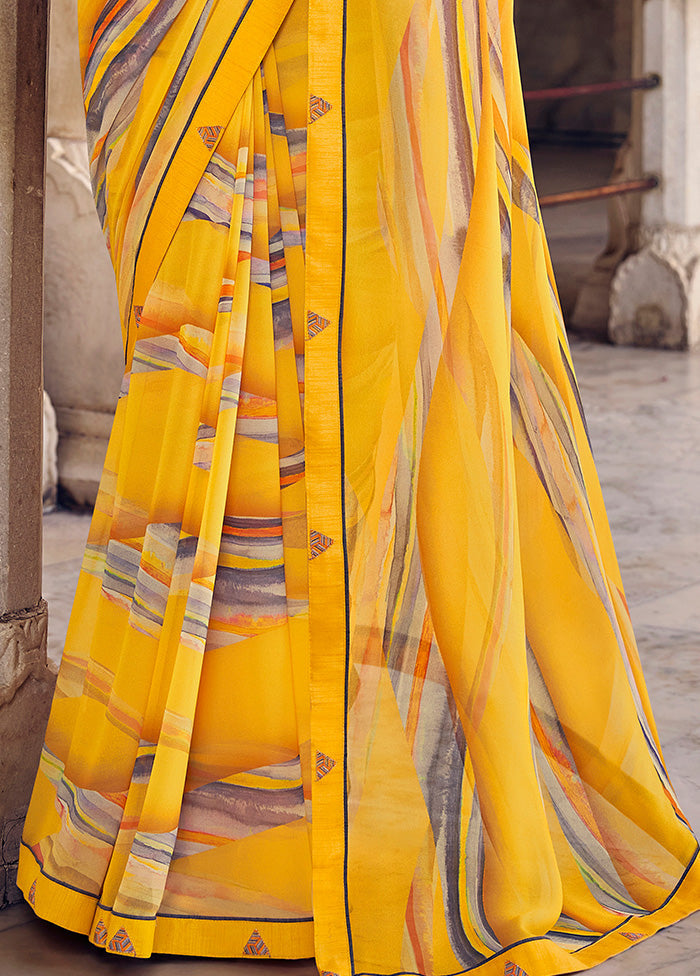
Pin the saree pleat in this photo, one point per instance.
(193, 597)
(350, 672)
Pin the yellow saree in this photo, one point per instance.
(350, 672)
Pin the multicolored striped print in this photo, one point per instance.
(350, 672)
(193, 597)
(494, 691)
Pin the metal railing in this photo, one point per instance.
(597, 88)
(643, 185)
(596, 192)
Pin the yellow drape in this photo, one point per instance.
(350, 673)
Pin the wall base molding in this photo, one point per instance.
(26, 689)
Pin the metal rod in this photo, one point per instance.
(599, 88)
(597, 192)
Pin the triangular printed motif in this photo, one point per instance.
(315, 324)
(512, 969)
(255, 946)
(318, 543)
(633, 936)
(99, 936)
(324, 764)
(122, 944)
(209, 134)
(318, 107)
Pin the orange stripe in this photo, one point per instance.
(431, 244)
(105, 24)
(419, 672)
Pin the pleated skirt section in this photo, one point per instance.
(173, 798)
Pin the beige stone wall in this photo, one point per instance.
(25, 681)
(83, 361)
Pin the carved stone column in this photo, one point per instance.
(655, 298)
(591, 314)
(83, 358)
(25, 682)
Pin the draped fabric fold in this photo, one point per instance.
(350, 672)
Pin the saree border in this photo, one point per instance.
(329, 598)
(193, 935)
(346, 685)
(542, 951)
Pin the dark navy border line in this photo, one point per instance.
(62, 884)
(671, 896)
(153, 918)
(544, 938)
(184, 132)
(233, 918)
(461, 972)
(199, 918)
(514, 945)
(343, 66)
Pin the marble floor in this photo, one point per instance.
(643, 411)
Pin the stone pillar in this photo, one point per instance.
(591, 314)
(83, 358)
(25, 682)
(655, 298)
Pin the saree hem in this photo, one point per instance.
(293, 939)
(232, 938)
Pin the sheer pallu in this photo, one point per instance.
(350, 672)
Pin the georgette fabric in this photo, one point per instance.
(350, 672)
